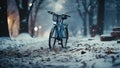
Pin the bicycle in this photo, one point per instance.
(59, 31)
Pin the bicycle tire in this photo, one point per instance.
(52, 35)
(65, 37)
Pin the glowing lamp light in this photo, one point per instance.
(58, 7)
(35, 29)
(40, 27)
(30, 4)
(93, 30)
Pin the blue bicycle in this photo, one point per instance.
(59, 32)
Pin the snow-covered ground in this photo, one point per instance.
(27, 52)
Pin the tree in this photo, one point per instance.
(83, 15)
(33, 16)
(3, 19)
(100, 16)
(118, 13)
(24, 9)
(88, 10)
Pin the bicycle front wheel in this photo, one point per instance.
(52, 38)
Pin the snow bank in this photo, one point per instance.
(82, 53)
(23, 36)
(23, 39)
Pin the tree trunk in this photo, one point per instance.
(3, 19)
(118, 13)
(90, 20)
(85, 24)
(23, 12)
(23, 22)
(83, 15)
(100, 18)
(34, 16)
(32, 24)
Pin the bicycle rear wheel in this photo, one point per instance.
(65, 38)
(52, 38)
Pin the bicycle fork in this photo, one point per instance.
(59, 30)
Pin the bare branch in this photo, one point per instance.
(37, 8)
(85, 7)
(17, 3)
(79, 11)
(33, 1)
(94, 3)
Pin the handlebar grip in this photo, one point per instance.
(66, 15)
(51, 12)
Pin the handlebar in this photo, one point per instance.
(59, 15)
(66, 15)
(51, 12)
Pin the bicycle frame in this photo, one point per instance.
(59, 31)
(59, 24)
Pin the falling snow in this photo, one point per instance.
(24, 51)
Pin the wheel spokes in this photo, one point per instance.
(64, 38)
(52, 38)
